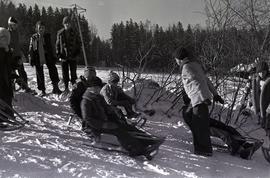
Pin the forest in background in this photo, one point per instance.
(230, 37)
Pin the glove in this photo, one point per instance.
(219, 99)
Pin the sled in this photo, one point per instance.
(108, 142)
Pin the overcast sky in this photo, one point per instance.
(103, 13)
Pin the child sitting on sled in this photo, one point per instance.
(100, 118)
(115, 96)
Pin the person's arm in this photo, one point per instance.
(58, 45)
(108, 96)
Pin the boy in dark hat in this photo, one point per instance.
(67, 50)
(100, 118)
(115, 96)
(40, 53)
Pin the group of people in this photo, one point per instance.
(97, 103)
(199, 92)
(41, 52)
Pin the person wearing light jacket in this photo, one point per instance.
(201, 91)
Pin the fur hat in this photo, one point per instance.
(4, 38)
(66, 19)
(262, 66)
(12, 20)
(95, 82)
(89, 72)
(113, 77)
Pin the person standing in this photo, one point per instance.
(6, 90)
(67, 49)
(17, 54)
(200, 90)
(261, 93)
(40, 53)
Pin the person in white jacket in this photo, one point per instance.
(201, 91)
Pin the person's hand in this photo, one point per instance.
(219, 99)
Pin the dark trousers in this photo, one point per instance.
(72, 66)
(198, 121)
(22, 73)
(228, 134)
(53, 73)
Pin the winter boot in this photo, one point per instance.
(248, 149)
(56, 89)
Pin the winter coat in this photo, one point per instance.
(115, 96)
(260, 95)
(67, 44)
(34, 52)
(95, 111)
(15, 43)
(6, 90)
(196, 84)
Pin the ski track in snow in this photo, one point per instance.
(47, 147)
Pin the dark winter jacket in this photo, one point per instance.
(95, 111)
(76, 96)
(67, 44)
(6, 91)
(115, 96)
(15, 43)
(34, 53)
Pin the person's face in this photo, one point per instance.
(262, 74)
(67, 25)
(41, 29)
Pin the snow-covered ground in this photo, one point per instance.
(48, 147)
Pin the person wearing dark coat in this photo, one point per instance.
(6, 90)
(17, 55)
(40, 53)
(67, 50)
(100, 118)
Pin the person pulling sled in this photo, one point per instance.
(100, 119)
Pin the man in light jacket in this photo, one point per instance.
(200, 90)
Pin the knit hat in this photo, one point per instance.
(89, 72)
(113, 77)
(181, 53)
(95, 82)
(262, 66)
(66, 19)
(12, 20)
(4, 38)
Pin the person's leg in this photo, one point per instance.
(53, 73)
(40, 78)
(22, 74)
(201, 131)
(65, 73)
(73, 71)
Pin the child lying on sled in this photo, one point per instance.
(100, 118)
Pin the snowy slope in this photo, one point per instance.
(47, 147)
